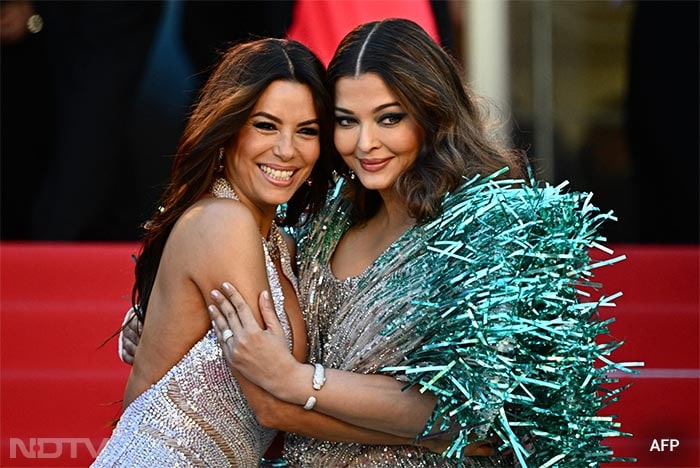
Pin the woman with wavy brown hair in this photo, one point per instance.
(440, 289)
(441, 286)
(408, 132)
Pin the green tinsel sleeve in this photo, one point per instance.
(513, 342)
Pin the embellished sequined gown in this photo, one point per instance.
(345, 319)
(466, 306)
(196, 414)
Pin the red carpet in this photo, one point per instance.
(658, 318)
(60, 301)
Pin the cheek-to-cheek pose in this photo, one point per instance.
(380, 141)
(438, 265)
(440, 289)
(252, 143)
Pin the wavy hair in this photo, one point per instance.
(428, 84)
(224, 104)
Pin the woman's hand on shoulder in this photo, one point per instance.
(260, 354)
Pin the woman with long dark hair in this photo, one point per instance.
(441, 289)
(440, 285)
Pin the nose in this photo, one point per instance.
(367, 140)
(284, 149)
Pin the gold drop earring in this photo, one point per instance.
(221, 160)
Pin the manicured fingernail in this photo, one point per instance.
(215, 295)
(227, 285)
(212, 310)
(266, 295)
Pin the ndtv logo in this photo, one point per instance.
(52, 447)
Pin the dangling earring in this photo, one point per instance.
(352, 174)
(309, 182)
(221, 160)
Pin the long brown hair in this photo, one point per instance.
(223, 107)
(429, 86)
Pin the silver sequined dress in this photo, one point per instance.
(196, 414)
(492, 308)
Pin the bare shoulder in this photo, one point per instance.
(214, 220)
(214, 233)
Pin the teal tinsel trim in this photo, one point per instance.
(511, 324)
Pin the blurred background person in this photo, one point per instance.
(26, 110)
(94, 54)
(593, 95)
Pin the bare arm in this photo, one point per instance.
(292, 417)
(368, 400)
(246, 260)
(274, 413)
(187, 268)
(196, 263)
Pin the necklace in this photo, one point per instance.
(274, 244)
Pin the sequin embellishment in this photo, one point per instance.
(196, 414)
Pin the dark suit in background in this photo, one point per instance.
(96, 54)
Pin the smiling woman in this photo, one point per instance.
(432, 283)
(374, 134)
(251, 144)
(276, 148)
(437, 263)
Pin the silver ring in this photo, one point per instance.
(226, 334)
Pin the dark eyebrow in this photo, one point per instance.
(384, 106)
(308, 122)
(374, 111)
(279, 121)
(266, 115)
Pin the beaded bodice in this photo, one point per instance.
(197, 414)
(345, 333)
(347, 319)
(506, 266)
(342, 307)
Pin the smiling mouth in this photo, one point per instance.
(276, 174)
(374, 165)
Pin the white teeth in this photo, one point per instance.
(275, 174)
